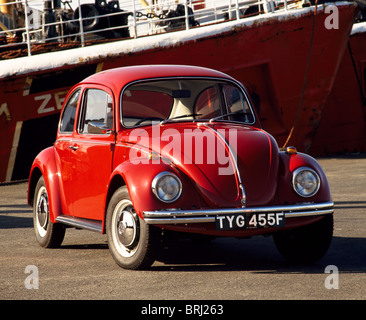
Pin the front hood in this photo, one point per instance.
(257, 158)
(199, 150)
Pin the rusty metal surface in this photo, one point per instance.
(20, 50)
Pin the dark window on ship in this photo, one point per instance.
(61, 79)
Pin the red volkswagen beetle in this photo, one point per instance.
(144, 149)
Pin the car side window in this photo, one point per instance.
(237, 103)
(68, 115)
(97, 116)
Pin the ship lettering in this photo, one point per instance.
(46, 98)
(4, 109)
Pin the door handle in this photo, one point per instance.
(74, 148)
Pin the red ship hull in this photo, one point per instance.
(342, 128)
(288, 61)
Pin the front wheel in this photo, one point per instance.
(132, 243)
(48, 234)
(306, 244)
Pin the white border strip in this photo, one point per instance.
(14, 150)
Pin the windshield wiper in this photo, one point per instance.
(180, 117)
(226, 115)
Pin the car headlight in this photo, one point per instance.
(166, 186)
(305, 182)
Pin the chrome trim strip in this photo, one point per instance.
(179, 220)
(88, 224)
(234, 160)
(203, 216)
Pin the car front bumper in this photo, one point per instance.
(177, 216)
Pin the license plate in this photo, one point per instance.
(250, 221)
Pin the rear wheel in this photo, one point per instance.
(48, 234)
(132, 243)
(306, 244)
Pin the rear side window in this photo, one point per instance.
(98, 112)
(68, 115)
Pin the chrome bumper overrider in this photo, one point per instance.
(208, 215)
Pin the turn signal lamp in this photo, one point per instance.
(291, 150)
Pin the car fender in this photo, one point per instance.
(288, 164)
(304, 160)
(138, 178)
(45, 165)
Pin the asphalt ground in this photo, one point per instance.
(246, 269)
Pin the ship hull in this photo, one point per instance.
(289, 61)
(342, 128)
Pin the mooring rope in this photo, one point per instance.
(305, 77)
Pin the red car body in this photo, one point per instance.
(177, 167)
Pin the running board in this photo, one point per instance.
(92, 225)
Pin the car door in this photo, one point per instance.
(62, 148)
(92, 153)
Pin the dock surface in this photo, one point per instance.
(226, 268)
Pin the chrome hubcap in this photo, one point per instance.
(125, 228)
(42, 211)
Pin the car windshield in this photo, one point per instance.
(184, 100)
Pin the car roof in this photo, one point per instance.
(117, 78)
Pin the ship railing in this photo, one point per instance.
(26, 23)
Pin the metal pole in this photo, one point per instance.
(237, 10)
(186, 13)
(27, 10)
(134, 19)
(81, 26)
